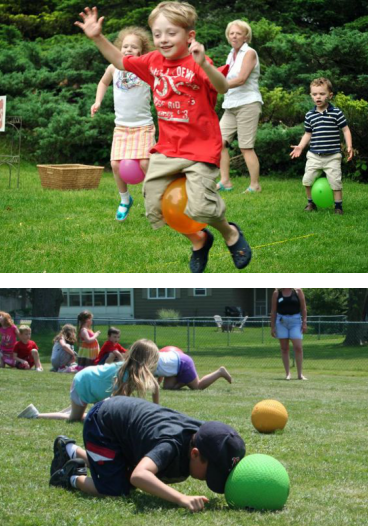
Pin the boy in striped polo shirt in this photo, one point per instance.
(322, 131)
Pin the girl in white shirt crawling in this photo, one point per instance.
(178, 370)
(134, 133)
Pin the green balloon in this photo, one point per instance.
(322, 193)
(259, 482)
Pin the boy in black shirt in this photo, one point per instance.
(132, 442)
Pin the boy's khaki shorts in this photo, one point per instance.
(330, 164)
(204, 203)
(243, 121)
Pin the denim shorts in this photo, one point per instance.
(107, 464)
(289, 326)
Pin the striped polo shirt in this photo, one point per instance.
(325, 129)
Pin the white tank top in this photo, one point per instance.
(132, 99)
(249, 91)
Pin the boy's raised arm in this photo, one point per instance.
(92, 27)
(217, 79)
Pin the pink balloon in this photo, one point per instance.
(130, 171)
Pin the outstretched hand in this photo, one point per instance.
(91, 25)
(297, 151)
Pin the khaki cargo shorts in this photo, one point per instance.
(243, 121)
(204, 203)
(330, 164)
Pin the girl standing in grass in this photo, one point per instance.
(134, 133)
(9, 333)
(88, 343)
(93, 384)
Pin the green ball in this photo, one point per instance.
(322, 193)
(258, 481)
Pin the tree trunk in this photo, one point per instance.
(356, 305)
(46, 304)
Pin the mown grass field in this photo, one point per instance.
(75, 231)
(323, 447)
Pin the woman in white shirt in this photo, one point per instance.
(242, 104)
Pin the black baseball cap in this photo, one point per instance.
(221, 445)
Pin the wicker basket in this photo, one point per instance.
(69, 176)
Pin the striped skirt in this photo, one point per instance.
(132, 143)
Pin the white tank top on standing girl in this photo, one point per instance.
(132, 100)
(249, 91)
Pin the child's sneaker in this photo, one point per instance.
(29, 412)
(61, 456)
(61, 477)
(310, 207)
(123, 210)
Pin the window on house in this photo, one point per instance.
(112, 298)
(100, 300)
(74, 298)
(156, 294)
(200, 292)
(125, 298)
(87, 299)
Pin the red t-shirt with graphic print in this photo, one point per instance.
(185, 102)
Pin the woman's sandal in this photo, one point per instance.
(222, 188)
(240, 251)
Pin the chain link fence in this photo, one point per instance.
(331, 343)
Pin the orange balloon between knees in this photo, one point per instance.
(174, 202)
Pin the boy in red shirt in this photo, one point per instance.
(26, 350)
(185, 85)
(111, 351)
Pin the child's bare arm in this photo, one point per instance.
(300, 147)
(348, 142)
(102, 88)
(66, 347)
(144, 478)
(87, 338)
(92, 27)
(217, 79)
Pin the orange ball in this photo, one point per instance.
(269, 415)
(174, 202)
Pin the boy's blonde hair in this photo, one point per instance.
(247, 30)
(139, 32)
(320, 81)
(180, 14)
(68, 332)
(25, 328)
(140, 365)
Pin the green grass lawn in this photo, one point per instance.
(75, 231)
(323, 447)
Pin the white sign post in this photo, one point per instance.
(2, 113)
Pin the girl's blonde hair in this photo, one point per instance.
(8, 320)
(82, 318)
(139, 32)
(180, 14)
(68, 333)
(247, 30)
(140, 365)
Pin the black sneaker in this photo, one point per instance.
(240, 251)
(61, 477)
(199, 258)
(61, 457)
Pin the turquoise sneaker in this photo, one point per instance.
(123, 210)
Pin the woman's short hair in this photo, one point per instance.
(247, 30)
